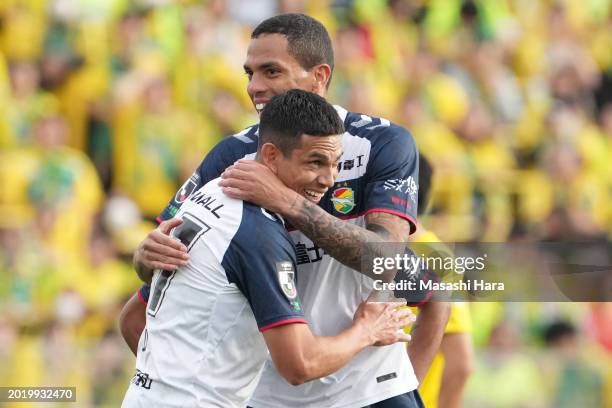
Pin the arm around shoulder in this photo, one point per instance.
(300, 356)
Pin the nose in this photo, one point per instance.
(328, 176)
(256, 85)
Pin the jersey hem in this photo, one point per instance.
(413, 225)
(281, 323)
(412, 222)
(370, 399)
(394, 392)
(144, 302)
(422, 302)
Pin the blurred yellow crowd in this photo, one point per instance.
(106, 107)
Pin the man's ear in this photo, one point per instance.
(270, 156)
(322, 74)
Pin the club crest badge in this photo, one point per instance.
(286, 279)
(343, 199)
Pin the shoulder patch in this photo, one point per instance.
(286, 279)
(187, 188)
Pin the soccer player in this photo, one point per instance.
(374, 199)
(201, 346)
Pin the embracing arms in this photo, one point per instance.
(248, 180)
(299, 356)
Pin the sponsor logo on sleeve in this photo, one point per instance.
(173, 209)
(286, 279)
(296, 305)
(343, 199)
(406, 186)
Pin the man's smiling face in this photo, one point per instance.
(272, 70)
(312, 167)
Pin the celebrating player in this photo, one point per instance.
(374, 199)
(201, 346)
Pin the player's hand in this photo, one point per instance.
(252, 181)
(384, 322)
(160, 251)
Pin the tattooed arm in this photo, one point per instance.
(345, 242)
(251, 181)
(342, 240)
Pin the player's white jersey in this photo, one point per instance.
(330, 293)
(201, 346)
(378, 172)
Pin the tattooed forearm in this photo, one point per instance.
(341, 240)
(381, 230)
(345, 241)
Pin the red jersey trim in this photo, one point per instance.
(422, 302)
(399, 214)
(144, 302)
(411, 220)
(282, 323)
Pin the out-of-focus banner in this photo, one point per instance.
(499, 272)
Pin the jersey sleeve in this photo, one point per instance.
(418, 297)
(393, 173)
(264, 269)
(144, 292)
(223, 155)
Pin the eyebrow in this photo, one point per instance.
(262, 66)
(317, 155)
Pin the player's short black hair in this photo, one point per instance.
(425, 174)
(286, 117)
(308, 40)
